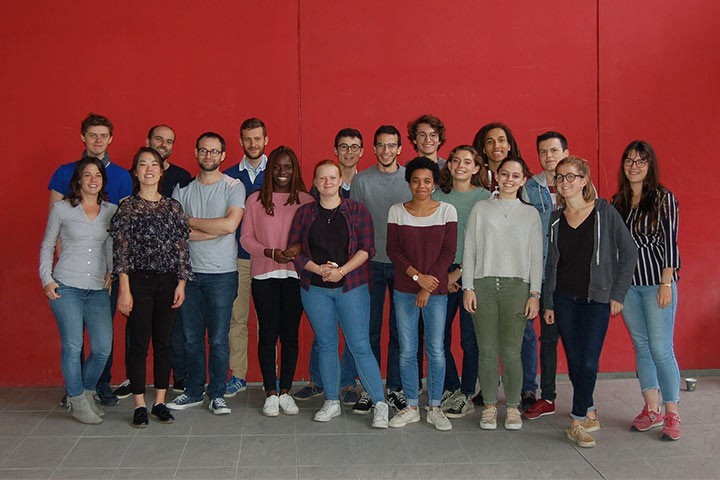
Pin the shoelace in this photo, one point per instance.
(488, 414)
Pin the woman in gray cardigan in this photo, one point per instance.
(590, 263)
(78, 285)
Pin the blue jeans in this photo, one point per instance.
(468, 342)
(325, 307)
(529, 356)
(106, 375)
(651, 329)
(348, 371)
(207, 307)
(384, 279)
(74, 310)
(582, 325)
(408, 320)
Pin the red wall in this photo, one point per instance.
(602, 72)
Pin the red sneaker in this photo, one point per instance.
(540, 408)
(646, 420)
(671, 428)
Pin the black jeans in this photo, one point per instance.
(151, 316)
(549, 336)
(279, 308)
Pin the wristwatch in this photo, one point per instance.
(535, 295)
(416, 277)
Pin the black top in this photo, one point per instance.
(576, 251)
(328, 239)
(174, 175)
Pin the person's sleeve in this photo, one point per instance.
(627, 256)
(60, 182)
(394, 242)
(550, 268)
(182, 229)
(470, 248)
(669, 218)
(448, 248)
(121, 231)
(366, 231)
(237, 195)
(248, 237)
(47, 248)
(536, 253)
(126, 187)
(298, 235)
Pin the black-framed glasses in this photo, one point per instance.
(569, 177)
(389, 146)
(638, 162)
(344, 147)
(204, 152)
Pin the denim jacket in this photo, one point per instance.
(537, 193)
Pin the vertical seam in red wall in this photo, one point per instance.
(299, 83)
(597, 91)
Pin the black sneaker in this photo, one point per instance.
(162, 414)
(64, 401)
(528, 400)
(105, 395)
(363, 405)
(478, 400)
(179, 385)
(397, 400)
(123, 390)
(140, 418)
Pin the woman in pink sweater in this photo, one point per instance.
(275, 285)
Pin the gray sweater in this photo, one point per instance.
(613, 261)
(379, 191)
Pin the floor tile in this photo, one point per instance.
(211, 451)
(39, 452)
(82, 473)
(388, 472)
(155, 452)
(268, 450)
(206, 473)
(259, 424)
(685, 467)
(59, 423)
(144, 473)
(543, 446)
(524, 470)
(487, 446)
(327, 472)
(36, 399)
(205, 423)
(626, 468)
(324, 450)
(20, 424)
(379, 450)
(435, 448)
(266, 473)
(580, 470)
(97, 452)
(26, 473)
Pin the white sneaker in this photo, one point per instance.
(405, 416)
(329, 410)
(380, 416)
(288, 405)
(219, 407)
(271, 407)
(488, 420)
(436, 417)
(513, 420)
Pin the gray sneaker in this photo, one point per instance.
(380, 417)
(436, 417)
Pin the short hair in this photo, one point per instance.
(214, 135)
(152, 130)
(387, 130)
(251, 123)
(95, 120)
(419, 163)
(550, 135)
(350, 133)
(296, 183)
(136, 159)
(431, 120)
(480, 179)
(323, 163)
(479, 140)
(74, 196)
(583, 168)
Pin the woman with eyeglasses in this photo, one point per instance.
(651, 214)
(78, 285)
(275, 284)
(502, 278)
(590, 263)
(151, 258)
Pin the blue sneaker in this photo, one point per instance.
(183, 401)
(307, 392)
(233, 386)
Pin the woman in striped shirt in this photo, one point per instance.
(651, 213)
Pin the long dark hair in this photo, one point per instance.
(652, 191)
(479, 140)
(296, 184)
(480, 179)
(74, 196)
(136, 159)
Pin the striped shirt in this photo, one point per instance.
(657, 248)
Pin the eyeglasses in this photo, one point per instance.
(638, 162)
(569, 177)
(389, 146)
(344, 147)
(204, 152)
(425, 136)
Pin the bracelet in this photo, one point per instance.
(272, 254)
(669, 285)
(341, 271)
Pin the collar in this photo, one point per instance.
(245, 165)
(105, 160)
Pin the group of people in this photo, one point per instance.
(475, 233)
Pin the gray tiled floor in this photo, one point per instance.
(39, 440)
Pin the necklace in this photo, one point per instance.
(332, 214)
(506, 212)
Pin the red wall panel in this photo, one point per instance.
(594, 70)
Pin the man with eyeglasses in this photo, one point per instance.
(540, 192)
(214, 203)
(348, 149)
(96, 133)
(427, 134)
(378, 188)
(251, 172)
